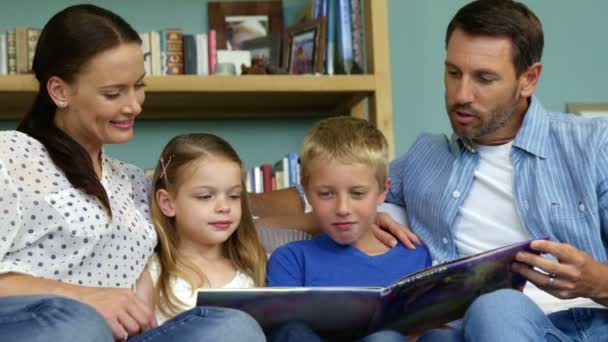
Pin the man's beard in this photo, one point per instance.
(497, 119)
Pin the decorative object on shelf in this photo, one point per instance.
(236, 57)
(236, 22)
(253, 70)
(225, 69)
(265, 51)
(304, 47)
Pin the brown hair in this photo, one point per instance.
(242, 248)
(503, 18)
(348, 140)
(69, 40)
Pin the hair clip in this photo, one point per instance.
(164, 167)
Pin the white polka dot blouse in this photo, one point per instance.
(52, 230)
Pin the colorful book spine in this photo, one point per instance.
(345, 44)
(294, 168)
(147, 51)
(175, 52)
(202, 54)
(331, 37)
(3, 55)
(163, 52)
(21, 49)
(156, 54)
(267, 178)
(212, 40)
(190, 67)
(356, 15)
(11, 52)
(32, 41)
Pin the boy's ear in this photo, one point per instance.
(384, 192)
(165, 202)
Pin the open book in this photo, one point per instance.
(424, 299)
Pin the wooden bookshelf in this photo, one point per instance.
(258, 96)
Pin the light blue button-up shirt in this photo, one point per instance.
(560, 170)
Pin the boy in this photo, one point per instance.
(345, 177)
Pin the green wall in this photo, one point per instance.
(575, 68)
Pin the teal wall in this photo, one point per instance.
(575, 68)
(575, 59)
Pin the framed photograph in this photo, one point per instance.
(304, 47)
(236, 22)
(588, 110)
(265, 51)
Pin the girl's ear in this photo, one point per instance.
(384, 191)
(165, 202)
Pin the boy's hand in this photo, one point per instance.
(388, 231)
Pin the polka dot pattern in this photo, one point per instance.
(50, 229)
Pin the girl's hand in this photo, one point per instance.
(388, 231)
(126, 314)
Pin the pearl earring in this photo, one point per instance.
(61, 104)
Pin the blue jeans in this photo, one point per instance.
(48, 318)
(509, 315)
(297, 331)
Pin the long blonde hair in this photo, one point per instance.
(242, 248)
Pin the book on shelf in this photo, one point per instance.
(3, 55)
(425, 299)
(358, 38)
(146, 50)
(344, 56)
(175, 51)
(190, 58)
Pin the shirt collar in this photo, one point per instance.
(533, 133)
(531, 137)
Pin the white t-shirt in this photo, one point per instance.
(183, 290)
(52, 230)
(489, 219)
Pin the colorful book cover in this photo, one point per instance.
(344, 61)
(356, 16)
(424, 299)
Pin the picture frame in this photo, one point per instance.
(265, 51)
(235, 22)
(588, 110)
(304, 47)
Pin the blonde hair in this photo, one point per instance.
(347, 140)
(242, 248)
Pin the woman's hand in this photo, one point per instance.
(126, 314)
(388, 231)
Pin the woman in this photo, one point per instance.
(75, 223)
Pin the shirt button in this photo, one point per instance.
(456, 194)
(445, 241)
(581, 207)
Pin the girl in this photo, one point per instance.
(205, 229)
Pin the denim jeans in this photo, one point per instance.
(509, 315)
(49, 318)
(300, 332)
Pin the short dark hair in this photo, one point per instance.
(67, 43)
(503, 18)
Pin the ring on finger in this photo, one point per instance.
(551, 281)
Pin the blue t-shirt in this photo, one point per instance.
(323, 262)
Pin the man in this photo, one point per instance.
(510, 172)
